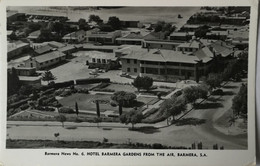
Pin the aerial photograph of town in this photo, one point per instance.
(116, 77)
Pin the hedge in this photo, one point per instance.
(63, 84)
(18, 104)
(66, 110)
(92, 81)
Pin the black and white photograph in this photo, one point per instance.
(127, 77)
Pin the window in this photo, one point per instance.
(98, 61)
(128, 60)
(52, 60)
(173, 72)
(31, 64)
(187, 64)
(161, 45)
(135, 70)
(103, 61)
(46, 62)
(128, 69)
(162, 71)
(93, 60)
(135, 61)
(151, 63)
(142, 70)
(152, 70)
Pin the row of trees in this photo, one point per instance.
(112, 24)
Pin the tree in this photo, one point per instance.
(174, 106)
(106, 28)
(239, 104)
(214, 80)
(133, 117)
(76, 108)
(138, 83)
(62, 119)
(114, 22)
(147, 82)
(97, 120)
(95, 18)
(192, 93)
(123, 99)
(98, 109)
(48, 76)
(13, 81)
(143, 83)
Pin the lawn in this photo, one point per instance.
(119, 87)
(85, 102)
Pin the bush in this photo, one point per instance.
(65, 93)
(48, 101)
(63, 84)
(217, 92)
(50, 109)
(18, 104)
(152, 111)
(56, 104)
(157, 146)
(77, 120)
(24, 107)
(83, 90)
(113, 103)
(58, 92)
(48, 91)
(66, 110)
(92, 81)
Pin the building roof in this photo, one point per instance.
(191, 44)
(44, 49)
(170, 56)
(204, 54)
(191, 26)
(182, 33)
(73, 35)
(162, 56)
(49, 56)
(222, 48)
(154, 36)
(221, 33)
(16, 45)
(56, 44)
(9, 33)
(103, 34)
(34, 35)
(101, 55)
(66, 48)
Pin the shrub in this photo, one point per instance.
(77, 120)
(83, 90)
(113, 103)
(18, 104)
(157, 146)
(92, 81)
(217, 92)
(58, 92)
(56, 104)
(50, 109)
(66, 110)
(65, 93)
(152, 111)
(24, 106)
(63, 84)
(49, 91)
